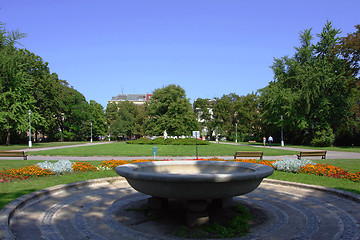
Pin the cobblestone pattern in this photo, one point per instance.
(89, 212)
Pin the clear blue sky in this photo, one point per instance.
(208, 47)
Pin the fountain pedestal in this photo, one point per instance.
(197, 212)
(194, 181)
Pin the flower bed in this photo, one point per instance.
(7, 175)
(23, 173)
(329, 171)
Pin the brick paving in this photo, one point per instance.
(95, 209)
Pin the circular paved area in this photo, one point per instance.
(95, 209)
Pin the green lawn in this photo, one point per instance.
(353, 165)
(122, 149)
(38, 145)
(343, 184)
(341, 149)
(12, 190)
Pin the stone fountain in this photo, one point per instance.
(197, 182)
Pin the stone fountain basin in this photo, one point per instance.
(194, 180)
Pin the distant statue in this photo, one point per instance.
(165, 135)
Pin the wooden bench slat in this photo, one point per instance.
(248, 154)
(13, 154)
(321, 154)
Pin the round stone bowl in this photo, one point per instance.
(194, 180)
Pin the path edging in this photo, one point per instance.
(16, 205)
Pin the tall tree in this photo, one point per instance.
(15, 100)
(98, 119)
(170, 110)
(311, 90)
(349, 49)
(231, 110)
(125, 119)
(203, 109)
(74, 117)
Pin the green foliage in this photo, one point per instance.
(98, 119)
(143, 140)
(223, 228)
(169, 141)
(234, 227)
(323, 138)
(125, 119)
(312, 91)
(170, 110)
(58, 111)
(228, 111)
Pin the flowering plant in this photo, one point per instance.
(290, 165)
(59, 167)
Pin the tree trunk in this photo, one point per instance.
(8, 137)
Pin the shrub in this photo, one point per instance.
(168, 141)
(323, 138)
(142, 140)
(59, 167)
(291, 165)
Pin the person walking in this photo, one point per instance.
(264, 140)
(270, 140)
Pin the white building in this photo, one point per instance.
(138, 99)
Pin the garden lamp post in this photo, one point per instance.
(91, 131)
(236, 132)
(109, 132)
(282, 134)
(30, 143)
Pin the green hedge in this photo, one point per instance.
(168, 141)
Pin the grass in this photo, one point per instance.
(342, 184)
(38, 145)
(353, 165)
(333, 148)
(230, 227)
(12, 190)
(122, 149)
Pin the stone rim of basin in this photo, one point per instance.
(240, 171)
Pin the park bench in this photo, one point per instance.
(321, 154)
(13, 154)
(248, 154)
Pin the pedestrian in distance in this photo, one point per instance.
(264, 141)
(270, 140)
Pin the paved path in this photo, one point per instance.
(329, 155)
(97, 209)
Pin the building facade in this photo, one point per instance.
(137, 99)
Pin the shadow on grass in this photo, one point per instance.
(6, 198)
(349, 190)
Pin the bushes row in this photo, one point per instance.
(168, 141)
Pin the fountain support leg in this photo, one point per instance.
(197, 212)
(221, 202)
(157, 203)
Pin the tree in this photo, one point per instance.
(203, 109)
(125, 119)
(98, 119)
(231, 110)
(58, 111)
(170, 110)
(311, 90)
(15, 100)
(73, 116)
(349, 50)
